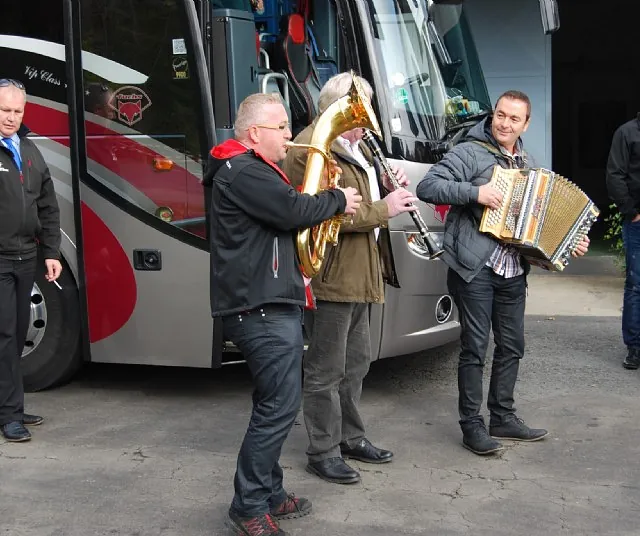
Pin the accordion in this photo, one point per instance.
(542, 214)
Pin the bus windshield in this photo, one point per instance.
(431, 80)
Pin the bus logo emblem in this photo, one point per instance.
(129, 102)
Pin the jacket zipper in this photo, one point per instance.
(24, 215)
(275, 261)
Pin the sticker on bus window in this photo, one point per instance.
(180, 68)
(402, 96)
(129, 102)
(179, 46)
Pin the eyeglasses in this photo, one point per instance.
(4, 82)
(281, 126)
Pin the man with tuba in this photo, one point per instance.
(258, 290)
(351, 277)
(486, 278)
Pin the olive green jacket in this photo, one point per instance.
(356, 269)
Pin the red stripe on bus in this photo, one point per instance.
(110, 279)
(176, 188)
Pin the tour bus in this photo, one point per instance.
(125, 101)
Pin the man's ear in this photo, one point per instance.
(253, 135)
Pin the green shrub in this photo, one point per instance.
(614, 223)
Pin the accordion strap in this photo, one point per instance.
(493, 150)
(489, 147)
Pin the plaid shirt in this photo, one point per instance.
(505, 260)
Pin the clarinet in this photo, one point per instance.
(432, 246)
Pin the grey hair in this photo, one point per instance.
(11, 87)
(337, 87)
(251, 111)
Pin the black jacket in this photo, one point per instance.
(456, 181)
(255, 216)
(29, 211)
(623, 169)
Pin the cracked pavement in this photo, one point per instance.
(140, 451)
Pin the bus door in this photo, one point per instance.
(147, 127)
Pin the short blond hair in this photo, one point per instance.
(251, 111)
(337, 87)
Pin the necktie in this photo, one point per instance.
(14, 152)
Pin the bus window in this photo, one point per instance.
(142, 115)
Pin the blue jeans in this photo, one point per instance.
(270, 339)
(631, 308)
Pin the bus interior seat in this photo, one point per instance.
(325, 66)
(296, 63)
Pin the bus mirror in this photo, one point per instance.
(550, 16)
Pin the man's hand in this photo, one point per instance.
(54, 269)
(489, 196)
(400, 201)
(401, 176)
(353, 199)
(582, 247)
(329, 171)
(636, 218)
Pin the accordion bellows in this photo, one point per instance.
(542, 214)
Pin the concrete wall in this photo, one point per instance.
(515, 54)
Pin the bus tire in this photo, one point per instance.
(52, 352)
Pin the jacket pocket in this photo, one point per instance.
(33, 181)
(328, 263)
(467, 243)
(275, 257)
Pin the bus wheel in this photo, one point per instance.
(52, 351)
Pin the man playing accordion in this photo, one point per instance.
(487, 278)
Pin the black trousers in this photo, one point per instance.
(16, 282)
(270, 339)
(488, 300)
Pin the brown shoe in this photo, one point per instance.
(264, 525)
(292, 508)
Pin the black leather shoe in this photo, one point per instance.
(334, 470)
(476, 439)
(515, 429)
(632, 361)
(15, 432)
(366, 452)
(32, 420)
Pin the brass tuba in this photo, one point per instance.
(351, 111)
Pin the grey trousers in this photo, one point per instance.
(335, 364)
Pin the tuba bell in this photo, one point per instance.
(351, 111)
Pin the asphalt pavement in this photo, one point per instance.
(142, 451)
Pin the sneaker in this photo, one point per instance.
(476, 439)
(292, 508)
(515, 429)
(263, 525)
(632, 361)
